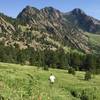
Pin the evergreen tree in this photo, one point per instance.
(90, 62)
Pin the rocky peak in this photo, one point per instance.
(51, 12)
(28, 11)
(85, 22)
(31, 9)
(50, 9)
(29, 15)
(78, 11)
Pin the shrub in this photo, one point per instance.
(88, 95)
(84, 96)
(1, 97)
(97, 71)
(87, 75)
(71, 71)
(74, 93)
(46, 68)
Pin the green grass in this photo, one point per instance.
(94, 38)
(19, 82)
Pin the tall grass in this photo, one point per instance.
(29, 83)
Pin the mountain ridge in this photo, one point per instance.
(92, 24)
(52, 21)
(46, 25)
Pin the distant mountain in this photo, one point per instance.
(48, 28)
(52, 21)
(83, 21)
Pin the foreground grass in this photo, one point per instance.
(29, 83)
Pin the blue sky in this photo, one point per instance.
(13, 7)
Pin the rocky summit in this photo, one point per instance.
(83, 21)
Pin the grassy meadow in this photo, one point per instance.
(19, 82)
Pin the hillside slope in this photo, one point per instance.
(29, 83)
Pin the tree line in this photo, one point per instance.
(50, 59)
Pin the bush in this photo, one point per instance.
(97, 71)
(87, 75)
(88, 95)
(71, 71)
(84, 96)
(46, 68)
(74, 93)
(1, 97)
